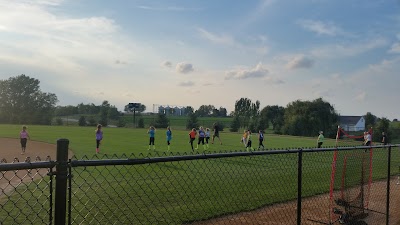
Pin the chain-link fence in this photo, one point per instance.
(295, 186)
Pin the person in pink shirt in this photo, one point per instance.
(24, 136)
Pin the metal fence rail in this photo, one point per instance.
(262, 187)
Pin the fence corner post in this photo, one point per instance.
(299, 184)
(389, 158)
(61, 181)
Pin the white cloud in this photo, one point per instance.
(272, 80)
(300, 61)
(184, 67)
(223, 39)
(360, 96)
(245, 73)
(395, 48)
(349, 49)
(186, 84)
(167, 8)
(321, 28)
(43, 2)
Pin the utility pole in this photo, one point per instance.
(134, 106)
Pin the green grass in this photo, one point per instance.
(127, 140)
(175, 192)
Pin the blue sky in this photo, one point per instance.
(208, 52)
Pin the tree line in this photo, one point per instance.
(22, 102)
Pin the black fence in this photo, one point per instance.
(291, 186)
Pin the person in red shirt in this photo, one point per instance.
(192, 136)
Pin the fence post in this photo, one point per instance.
(61, 181)
(299, 185)
(388, 184)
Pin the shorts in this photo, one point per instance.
(216, 135)
(151, 142)
(23, 142)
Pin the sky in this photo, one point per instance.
(207, 52)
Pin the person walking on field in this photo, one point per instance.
(152, 133)
(216, 134)
(202, 135)
(368, 139)
(24, 136)
(207, 137)
(192, 136)
(320, 139)
(384, 139)
(248, 146)
(169, 137)
(99, 137)
(260, 139)
(244, 138)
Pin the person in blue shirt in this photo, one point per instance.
(152, 132)
(169, 137)
(260, 139)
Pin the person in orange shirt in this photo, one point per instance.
(192, 136)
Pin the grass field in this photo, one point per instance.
(177, 192)
(127, 140)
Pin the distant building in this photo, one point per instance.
(352, 123)
(172, 110)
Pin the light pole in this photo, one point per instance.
(134, 106)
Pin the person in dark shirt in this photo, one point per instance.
(216, 134)
(384, 138)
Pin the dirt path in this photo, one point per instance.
(10, 151)
(317, 209)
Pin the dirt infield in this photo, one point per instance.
(315, 210)
(10, 151)
(11, 148)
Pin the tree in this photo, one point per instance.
(306, 118)
(189, 110)
(246, 111)
(192, 121)
(141, 123)
(88, 109)
(235, 125)
(383, 125)
(222, 112)
(370, 120)
(274, 115)
(112, 113)
(121, 122)
(22, 101)
(205, 110)
(104, 113)
(162, 121)
(82, 121)
(66, 110)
